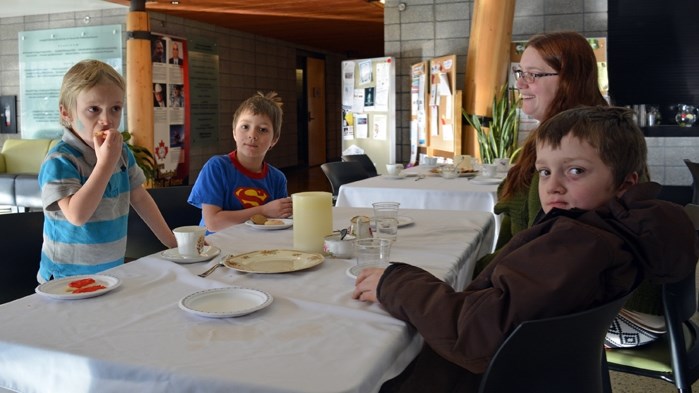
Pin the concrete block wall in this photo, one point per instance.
(425, 29)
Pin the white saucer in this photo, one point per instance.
(287, 223)
(394, 177)
(174, 255)
(225, 302)
(353, 271)
(486, 180)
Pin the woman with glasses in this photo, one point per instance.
(557, 71)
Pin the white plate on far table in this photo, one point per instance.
(486, 180)
(61, 288)
(174, 255)
(287, 223)
(225, 302)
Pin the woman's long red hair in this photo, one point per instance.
(571, 56)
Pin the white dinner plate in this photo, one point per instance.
(403, 221)
(174, 255)
(273, 261)
(61, 289)
(486, 180)
(225, 302)
(394, 177)
(287, 224)
(354, 271)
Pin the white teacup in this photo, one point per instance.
(394, 169)
(430, 161)
(489, 170)
(335, 247)
(190, 240)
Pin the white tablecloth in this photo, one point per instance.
(431, 192)
(312, 338)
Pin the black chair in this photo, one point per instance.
(342, 172)
(172, 202)
(363, 159)
(694, 170)
(675, 357)
(558, 354)
(21, 238)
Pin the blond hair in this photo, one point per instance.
(269, 104)
(84, 76)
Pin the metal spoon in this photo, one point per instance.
(343, 233)
(420, 176)
(211, 269)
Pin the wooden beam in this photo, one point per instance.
(139, 76)
(487, 61)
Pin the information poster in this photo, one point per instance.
(44, 57)
(171, 134)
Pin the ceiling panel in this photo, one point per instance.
(350, 27)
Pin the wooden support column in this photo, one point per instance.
(487, 61)
(139, 76)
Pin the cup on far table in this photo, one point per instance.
(386, 220)
(489, 170)
(190, 240)
(394, 169)
(372, 251)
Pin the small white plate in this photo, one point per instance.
(394, 177)
(354, 271)
(403, 221)
(287, 224)
(174, 255)
(60, 288)
(225, 302)
(486, 180)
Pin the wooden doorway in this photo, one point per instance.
(312, 132)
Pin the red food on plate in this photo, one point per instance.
(81, 283)
(89, 289)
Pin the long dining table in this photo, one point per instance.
(313, 337)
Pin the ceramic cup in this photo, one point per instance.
(372, 252)
(430, 161)
(333, 247)
(360, 227)
(489, 170)
(394, 169)
(190, 240)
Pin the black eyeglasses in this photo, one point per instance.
(530, 77)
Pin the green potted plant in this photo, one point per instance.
(144, 158)
(497, 136)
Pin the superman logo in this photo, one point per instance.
(251, 197)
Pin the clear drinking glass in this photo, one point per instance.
(386, 220)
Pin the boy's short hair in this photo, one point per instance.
(83, 76)
(610, 130)
(269, 104)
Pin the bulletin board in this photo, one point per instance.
(368, 110)
(418, 109)
(444, 109)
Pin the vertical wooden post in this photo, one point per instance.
(487, 61)
(139, 76)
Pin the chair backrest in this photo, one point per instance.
(363, 159)
(342, 172)
(21, 238)
(172, 202)
(694, 170)
(559, 354)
